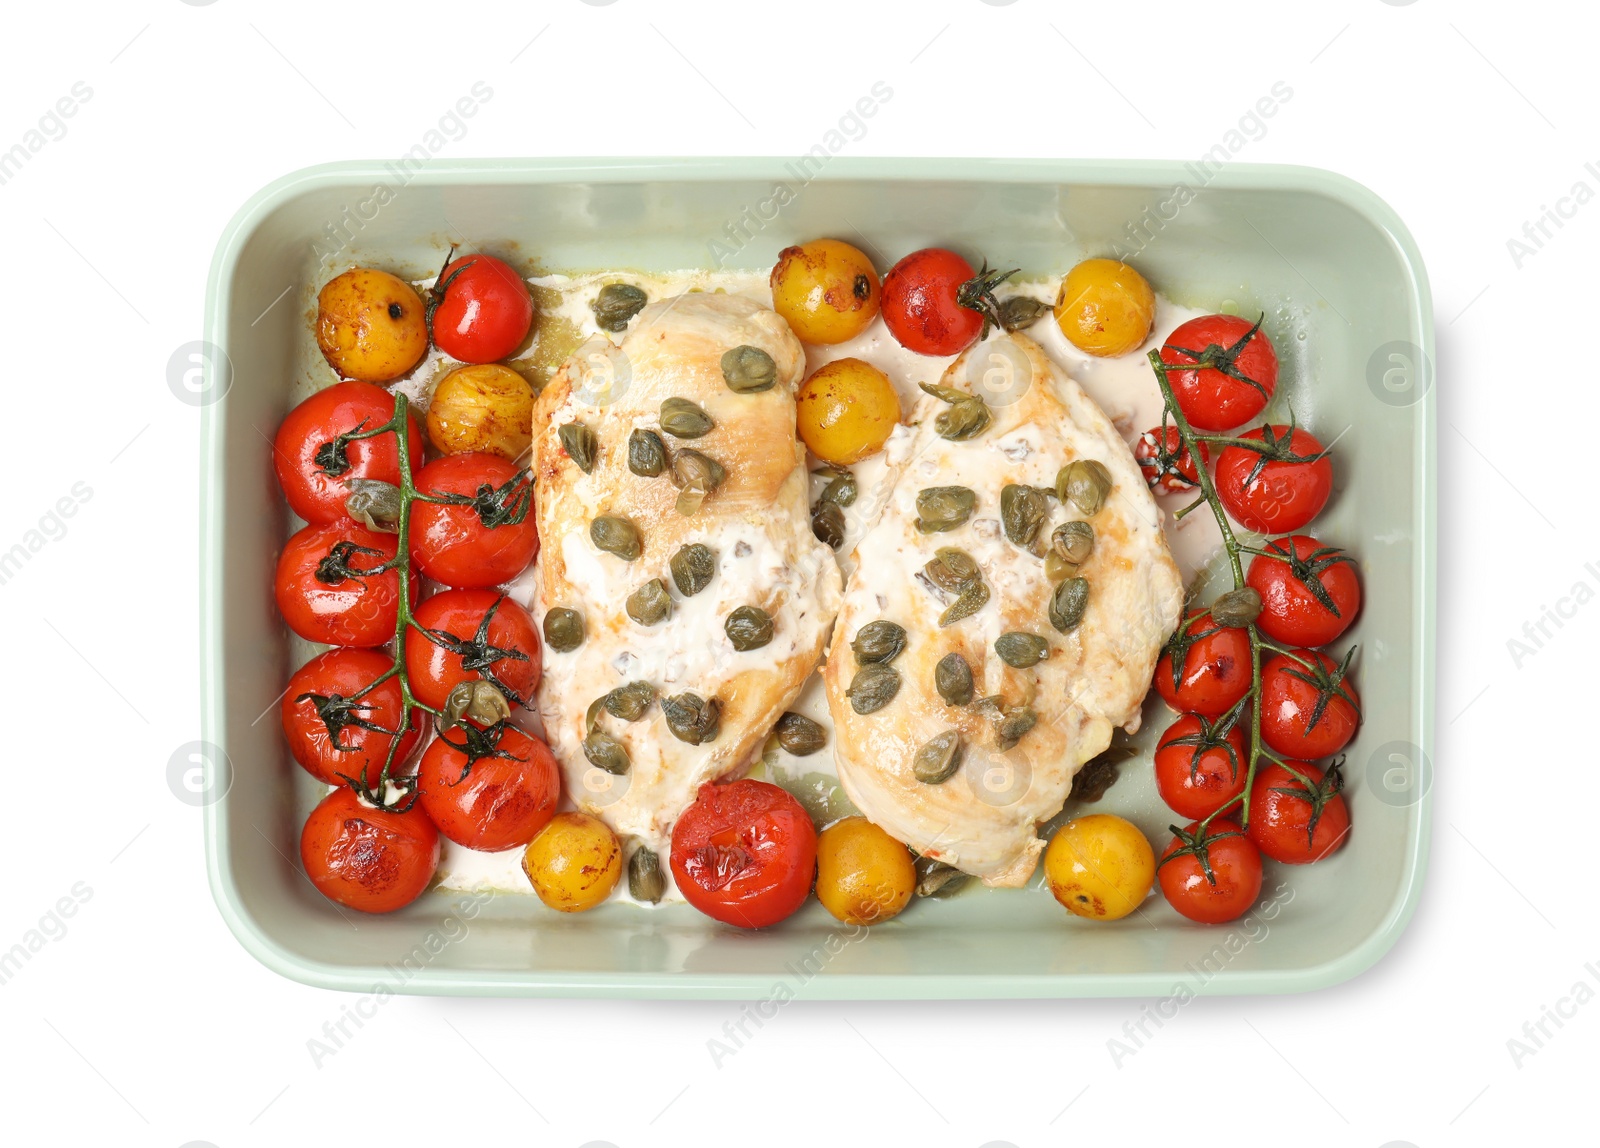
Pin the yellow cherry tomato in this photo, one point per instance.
(482, 408)
(574, 862)
(826, 289)
(1100, 866)
(846, 411)
(371, 325)
(1105, 307)
(864, 876)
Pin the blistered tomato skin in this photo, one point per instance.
(1239, 375)
(1231, 887)
(484, 309)
(334, 596)
(864, 876)
(1100, 867)
(826, 290)
(369, 859)
(487, 408)
(1194, 777)
(1168, 469)
(1292, 611)
(451, 544)
(846, 411)
(920, 306)
(314, 492)
(1105, 308)
(371, 325)
(574, 862)
(744, 853)
(331, 679)
(507, 647)
(1213, 667)
(501, 800)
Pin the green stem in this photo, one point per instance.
(408, 495)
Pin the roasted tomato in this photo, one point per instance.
(469, 635)
(1277, 487)
(331, 586)
(744, 853)
(371, 325)
(1100, 867)
(574, 862)
(488, 535)
(864, 876)
(1309, 709)
(1236, 370)
(1105, 307)
(826, 290)
(1201, 764)
(479, 309)
(934, 302)
(1204, 668)
(1297, 814)
(488, 788)
(313, 459)
(846, 411)
(370, 859)
(1166, 463)
(331, 731)
(1309, 592)
(487, 408)
(1211, 875)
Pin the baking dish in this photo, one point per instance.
(1346, 296)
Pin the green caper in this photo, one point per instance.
(965, 420)
(650, 603)
(1014, 722)
(1073, 541)
(1056, 567)
(748, 370)
(591, 717)
(873, 687)
(841, 488)
(605, 752)
(800, 735)
(748, 628)
(695, 475)
(479, 700)
(938, 879)
(1237, 608)
(374, 503)
(948, 394)
(939, 759)
(1020, 311)
(827, 523)
(952, 677)
(647, 454)
(1021, 650)
(941, 508)
(616, 535)
(1084, 483)
(580, 444)
(1068, 603)
(692, 718)
(968, 604)
(951, 570)
(616, 304)
(682, 419)
(693, 567)
(563, 629)
(879, 641)
(1023, 509)
(646, 882)
(629, 702)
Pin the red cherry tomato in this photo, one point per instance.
(1309, 596)
(744, 853)
(1235, 375)
(1201, 765)
(370, 859)
(489, 789)
(327, 592)
(480, 310)
(1210, 876)
(934, 302)
(330, 731)
(489, 541)
(313, 465)
(1297, 820)
(1309, 709)
(1166, 463)
(1278, 489)
(1212, 666)
(473, 634)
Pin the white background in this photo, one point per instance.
(146, 1023)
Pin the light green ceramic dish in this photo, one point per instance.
(1322, 256)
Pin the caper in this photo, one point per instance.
(374, 503)
(827, 523)
(563, 629)
(941, 508)
(939, 759)
(1023, 509)
(1068, 603)
(951, 570)
(616, 304)
(1014, 722)
(748, 370)
(1021, 311)
(1084, 483)
(692, 718)
(605, 752)
(647, 454)
(1056, 567)
(479, 700)
(1237, 607)
(1073, 541)
(629, 702)
(952, 677)
(748, 628)
(580, 444)
(948, 394)
(965, 420)
(693, 567)
(695, 475)
(1021, 650)
(682, 419)
(873, 687)
(800, 735)
(591, 717)
(650, 603)
(879, 641)
(971, 601)
(616, 535)
(841, 488)
(938, 879)
(646, 882)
